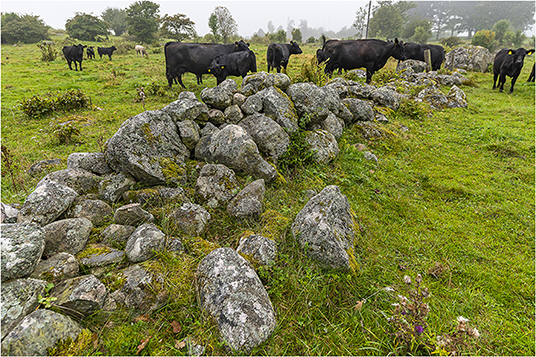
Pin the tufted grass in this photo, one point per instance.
(452, 198)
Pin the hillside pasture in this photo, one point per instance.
(451, 198)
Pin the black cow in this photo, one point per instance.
(370, 54)
(194, 58)
(531, 75)
(74, 54)
(233, 64)
(90, 52)
(509, 63)
(278, 54)
(106, 51)
(416, 51)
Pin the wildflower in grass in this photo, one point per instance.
(419, 329)
(452, 343)
(407, 279)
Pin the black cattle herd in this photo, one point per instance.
(237, 59)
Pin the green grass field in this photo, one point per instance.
(452, 198)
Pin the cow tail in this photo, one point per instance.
(253, 67)
(323, 41)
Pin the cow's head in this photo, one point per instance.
(241, 46)
(113, 48)
(399, 51)
(295, 49)
(216, 67)
(519, 55)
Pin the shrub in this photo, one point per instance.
(48, 51)
(313, 72)
(451, 42)
(298, 154)
(485, 38)
(40, 106)
(65, 132)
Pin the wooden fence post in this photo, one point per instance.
(451, 64)
(428, 60)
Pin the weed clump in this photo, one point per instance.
(298, 154)
(39, 106)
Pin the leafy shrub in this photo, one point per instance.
(452, 41)
(48, 51)
(484, 38)
(410, 109)
(40, 106)
(65, 132)
(313, 72)
(298, 154)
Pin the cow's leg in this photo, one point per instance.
(502, 80)
(514, 79)
(80, 65)
(69, 63)
(180, 81)
(495, 75)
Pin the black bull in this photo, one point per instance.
(415, 51)
(233, 64)
(370, 54)
(74, 54)
(194, 58)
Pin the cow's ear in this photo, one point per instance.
(511, 52)
(222, 67)
(529, 52)
(396, 41)
(236, 44)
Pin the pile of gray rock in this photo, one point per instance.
(228, 131)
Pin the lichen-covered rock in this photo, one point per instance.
(361, 110)
(456, 98)
(19, 298)
(46, 203)
(216, 117)
(252, 105)
(132, 215)
(333, 125)
(312, 102)
(113, 186)
(415, 65)
(260, 249)
(233, 147)
(67, 235)
(248, 203)
(233, 114)
(9, 213)
(97, 211)
(117, 233)
(146, 239)
(82, 181)
(189, 219)
(386, 96)
(278, 106)
(94, 162)
(135, 289)
(187, 107)
(323, 145)
(230, 291)
(99, 255)
(148, 147)
(469, 57)
(216, 185)
(189, 133)
(38, 332)
(269, 136)
(433, 96)
(221, 96)
(326, 227)
(58, 266)
(21, 248)
(80, 296)
(256, 82)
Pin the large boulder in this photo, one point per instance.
(248, 203)
(132, 215)
(187, 108)
(80, 296)
(261, 80)
(67, 235)
(21, 247)
(269, 136)
(278, 106)
(216, 185)
(470, 57)
(230, 291)
(80, 180)
(94, 162)
(148, 147)
(57, 267)
(46, 203)
(312, 102)
(190, 219)
(38, 332)
(113, 186)
(233, 147)
(19, 298)
(360, 109)
(327, 229)
(323, 145)
(97, 211)
(221, 96)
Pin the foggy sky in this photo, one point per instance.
(250, 16)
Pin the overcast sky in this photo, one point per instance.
(250, 16)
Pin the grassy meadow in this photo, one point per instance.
(452, 199)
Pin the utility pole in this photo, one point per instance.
(368, 18)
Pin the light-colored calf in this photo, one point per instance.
(140, 50)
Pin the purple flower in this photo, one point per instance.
(419, 329)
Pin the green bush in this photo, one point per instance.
(451, 42)
(65, 132)
(485, 38)
(40, 106)
(48, 51)
(298, 154)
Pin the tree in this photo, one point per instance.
(271, 27)
(413, 24)
(279, 37)
(116, 19)
(500, 28)
(360, 22)
(22, 28)
(485, 38)
(226, 24)
(296, 35)
(85, 27)
(213, 25)
(177, 27)
(387, 21)
(142, 19)
(421, 35)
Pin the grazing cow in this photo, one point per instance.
(278, 54)
(140, 51)
(531, 75)
(74, 54)
(509, 63)
(90, 52)
(106, 51)
(194, 58)
(233, 64)
(370, 54)
(416, 51)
